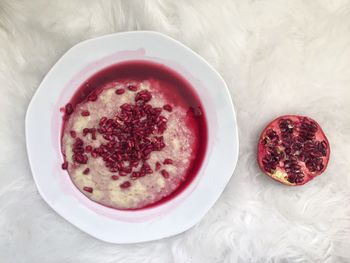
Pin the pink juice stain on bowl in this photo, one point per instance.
(153, 144)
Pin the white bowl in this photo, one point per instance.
(43, 128)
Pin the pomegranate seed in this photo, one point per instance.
(78, 150)
(162, 119)
(65, 165)
(168, 161)
(115, 177)
(147, 108)
(69, 109)
(88, 148)
(126, 169)
(119, 157)
(80, 158)
(135, 175)
(121, 173)
(134, 164)
(146, 168)
(158, 165)
(107, 137)
(86, 171)
(103, 121)
(143, 95)
(93, 133)
(73, 134)
(132, 88)
(78, 142)
(86, 131)
(125, 185)
(92, 97)
(196, 111)
(165, 174)
(88, 189)
(126, 107)
(167, 107)
(119, 91)
(94, 154)
(85, 113)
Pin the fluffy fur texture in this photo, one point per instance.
(277, 56)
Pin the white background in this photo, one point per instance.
(277, 57)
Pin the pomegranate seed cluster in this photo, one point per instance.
(295, 147)
(129, 138)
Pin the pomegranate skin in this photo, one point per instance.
(293, 149)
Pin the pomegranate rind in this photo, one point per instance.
(279, 174)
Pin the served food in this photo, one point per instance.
(293, 150)
(133, 135)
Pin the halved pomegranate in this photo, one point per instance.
(293, 150)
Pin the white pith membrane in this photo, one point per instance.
(178, 138)
(299, 161)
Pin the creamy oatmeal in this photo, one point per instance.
(128, 146)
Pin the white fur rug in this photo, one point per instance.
(277, 56)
